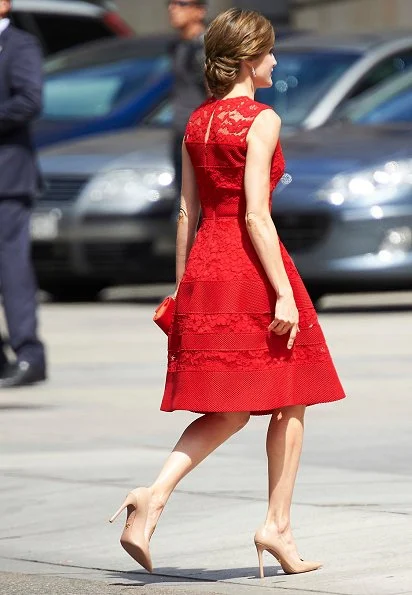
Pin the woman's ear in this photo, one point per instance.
(250, 68)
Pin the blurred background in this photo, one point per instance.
(343, 87)
(327, 16)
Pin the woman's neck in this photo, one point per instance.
(242, 89)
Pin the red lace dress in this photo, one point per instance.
(221, 355)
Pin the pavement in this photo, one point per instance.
(73, 447)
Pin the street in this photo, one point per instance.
(73, 447)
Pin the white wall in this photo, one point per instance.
(354, 15)
(150, 16)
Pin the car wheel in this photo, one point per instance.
(315, 294)
(74, 292)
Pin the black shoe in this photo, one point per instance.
(21, 374)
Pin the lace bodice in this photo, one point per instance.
(216, 141)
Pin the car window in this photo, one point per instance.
(386, 68)
(59, 32)
(301, 79)
(394, 109)
(88, 98)
(384, 102)
(96, 91)
(161, 116)
(296, 86)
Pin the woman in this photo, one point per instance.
(245, 338)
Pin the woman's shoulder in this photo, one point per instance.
(251, 108)
(265, 107)
(266, 124)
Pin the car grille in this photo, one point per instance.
(51, 259)
(301, 232)
(62, 189)
(115, 256)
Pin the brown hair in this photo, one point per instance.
(233, 36)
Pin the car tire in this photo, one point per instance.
(315, 294)
(74, 292)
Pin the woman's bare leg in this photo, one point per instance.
(199, 439)
(283, 447)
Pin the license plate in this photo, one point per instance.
(44, 226)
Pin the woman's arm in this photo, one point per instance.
(188, 216)
(262, 140)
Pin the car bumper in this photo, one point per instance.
(113, 249)
(350, 249)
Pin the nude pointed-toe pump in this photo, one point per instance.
(273, 545)
(133, 538)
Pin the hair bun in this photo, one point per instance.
(221, 73)
(232, 37)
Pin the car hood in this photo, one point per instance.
(138, 148)
(345, 147)
(316, 154)
(313, 158)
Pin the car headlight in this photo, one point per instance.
(128, 187)
(380, 183)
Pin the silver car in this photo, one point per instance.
(316, 75)
(105, 216)
(343, 208)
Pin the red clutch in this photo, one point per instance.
(164, 313)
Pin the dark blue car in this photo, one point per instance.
(106, 85)
(114, 84)
(103, 86)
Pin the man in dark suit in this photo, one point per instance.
(20, 102)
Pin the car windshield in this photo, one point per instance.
(389, 102)
(92, 90)
(300, 80)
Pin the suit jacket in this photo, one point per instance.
(21, 82)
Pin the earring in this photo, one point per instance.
(253, 72)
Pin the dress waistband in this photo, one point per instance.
(236, 217)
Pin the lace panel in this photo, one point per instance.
(234, 322)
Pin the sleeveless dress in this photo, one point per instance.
(221, 356)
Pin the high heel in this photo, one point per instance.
(264, 541)
(133, 538)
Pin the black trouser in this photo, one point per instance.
(177, 164)
(17, 282)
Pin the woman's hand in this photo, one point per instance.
(286, 318)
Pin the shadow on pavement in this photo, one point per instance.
(21, 406)
(191, 575)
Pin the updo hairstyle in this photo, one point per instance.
(233, 36)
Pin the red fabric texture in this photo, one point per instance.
(221, 356)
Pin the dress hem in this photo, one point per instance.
(254, 412)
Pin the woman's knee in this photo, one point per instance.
(291, 412)
(237, 419)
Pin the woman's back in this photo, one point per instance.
(216, 141)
